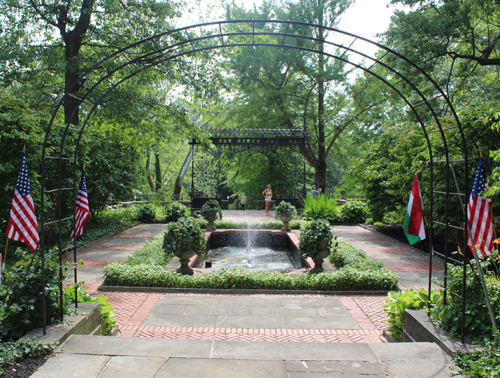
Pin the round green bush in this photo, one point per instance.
(174, 211)
(184, 234)
(147, 213)
(353, 212)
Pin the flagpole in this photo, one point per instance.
(5, 254)
(483, 284)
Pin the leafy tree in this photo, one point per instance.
(49, 42)
(285, 88)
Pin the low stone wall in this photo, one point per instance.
(419, 327)
(87, 322)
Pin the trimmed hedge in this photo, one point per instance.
(120, 274)
(151, 254)
(143, 271)
(347, 255)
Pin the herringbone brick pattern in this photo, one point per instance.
(248, 334)
(372, 308)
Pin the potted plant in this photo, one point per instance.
(285, 211)
(316, 241)
(210, 210)
(184, 239)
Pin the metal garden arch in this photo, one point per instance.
(421, 94)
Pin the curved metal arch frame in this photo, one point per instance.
(160, 53)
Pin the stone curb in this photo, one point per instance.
(182, 290)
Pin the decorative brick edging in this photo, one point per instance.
(250, 334)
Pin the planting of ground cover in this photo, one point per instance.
(146, 268)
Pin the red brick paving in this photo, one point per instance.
(407, 267)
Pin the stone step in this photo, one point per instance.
(101, 356)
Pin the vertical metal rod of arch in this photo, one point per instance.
(59, 213)
(74, 241)
(431, 228)
(192, 174)
(446, 221)
(304, 189)
(42, 249)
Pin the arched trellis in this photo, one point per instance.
(421, 94)
(264, 141)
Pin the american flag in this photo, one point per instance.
(479, 215)
(82, 210)
(22, 222)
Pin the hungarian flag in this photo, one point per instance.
(81, 211)
(414, 219)
(22, 223)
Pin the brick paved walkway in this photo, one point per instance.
(354, 319)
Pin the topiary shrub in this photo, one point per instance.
(312, 237)
(174, 211)
(211, 209)
(353, 212)
(184, 234)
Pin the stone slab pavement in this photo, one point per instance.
(103, 357)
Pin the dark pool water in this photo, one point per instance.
(257, 258)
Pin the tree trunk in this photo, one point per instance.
(321, 162)
(157, 170)
(149, 177)
(73, 43)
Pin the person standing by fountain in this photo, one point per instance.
(243, 200)
(315, 193)
(268, 195)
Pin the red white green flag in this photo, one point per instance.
(414, 219)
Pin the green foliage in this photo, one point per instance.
(283, 208)
(185, 234)
(108, 321)
(20, 292)
(347, 255)
(345, 279)
(312, 237)
(353, 212)
(398, 302)
(321, 208)
(210, 210)
(148, 213)
(151, 254)
(13, 351)
(174, 211)
(481, 363)
(19, 127)
(477, 319)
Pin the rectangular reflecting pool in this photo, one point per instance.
(251, 249)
